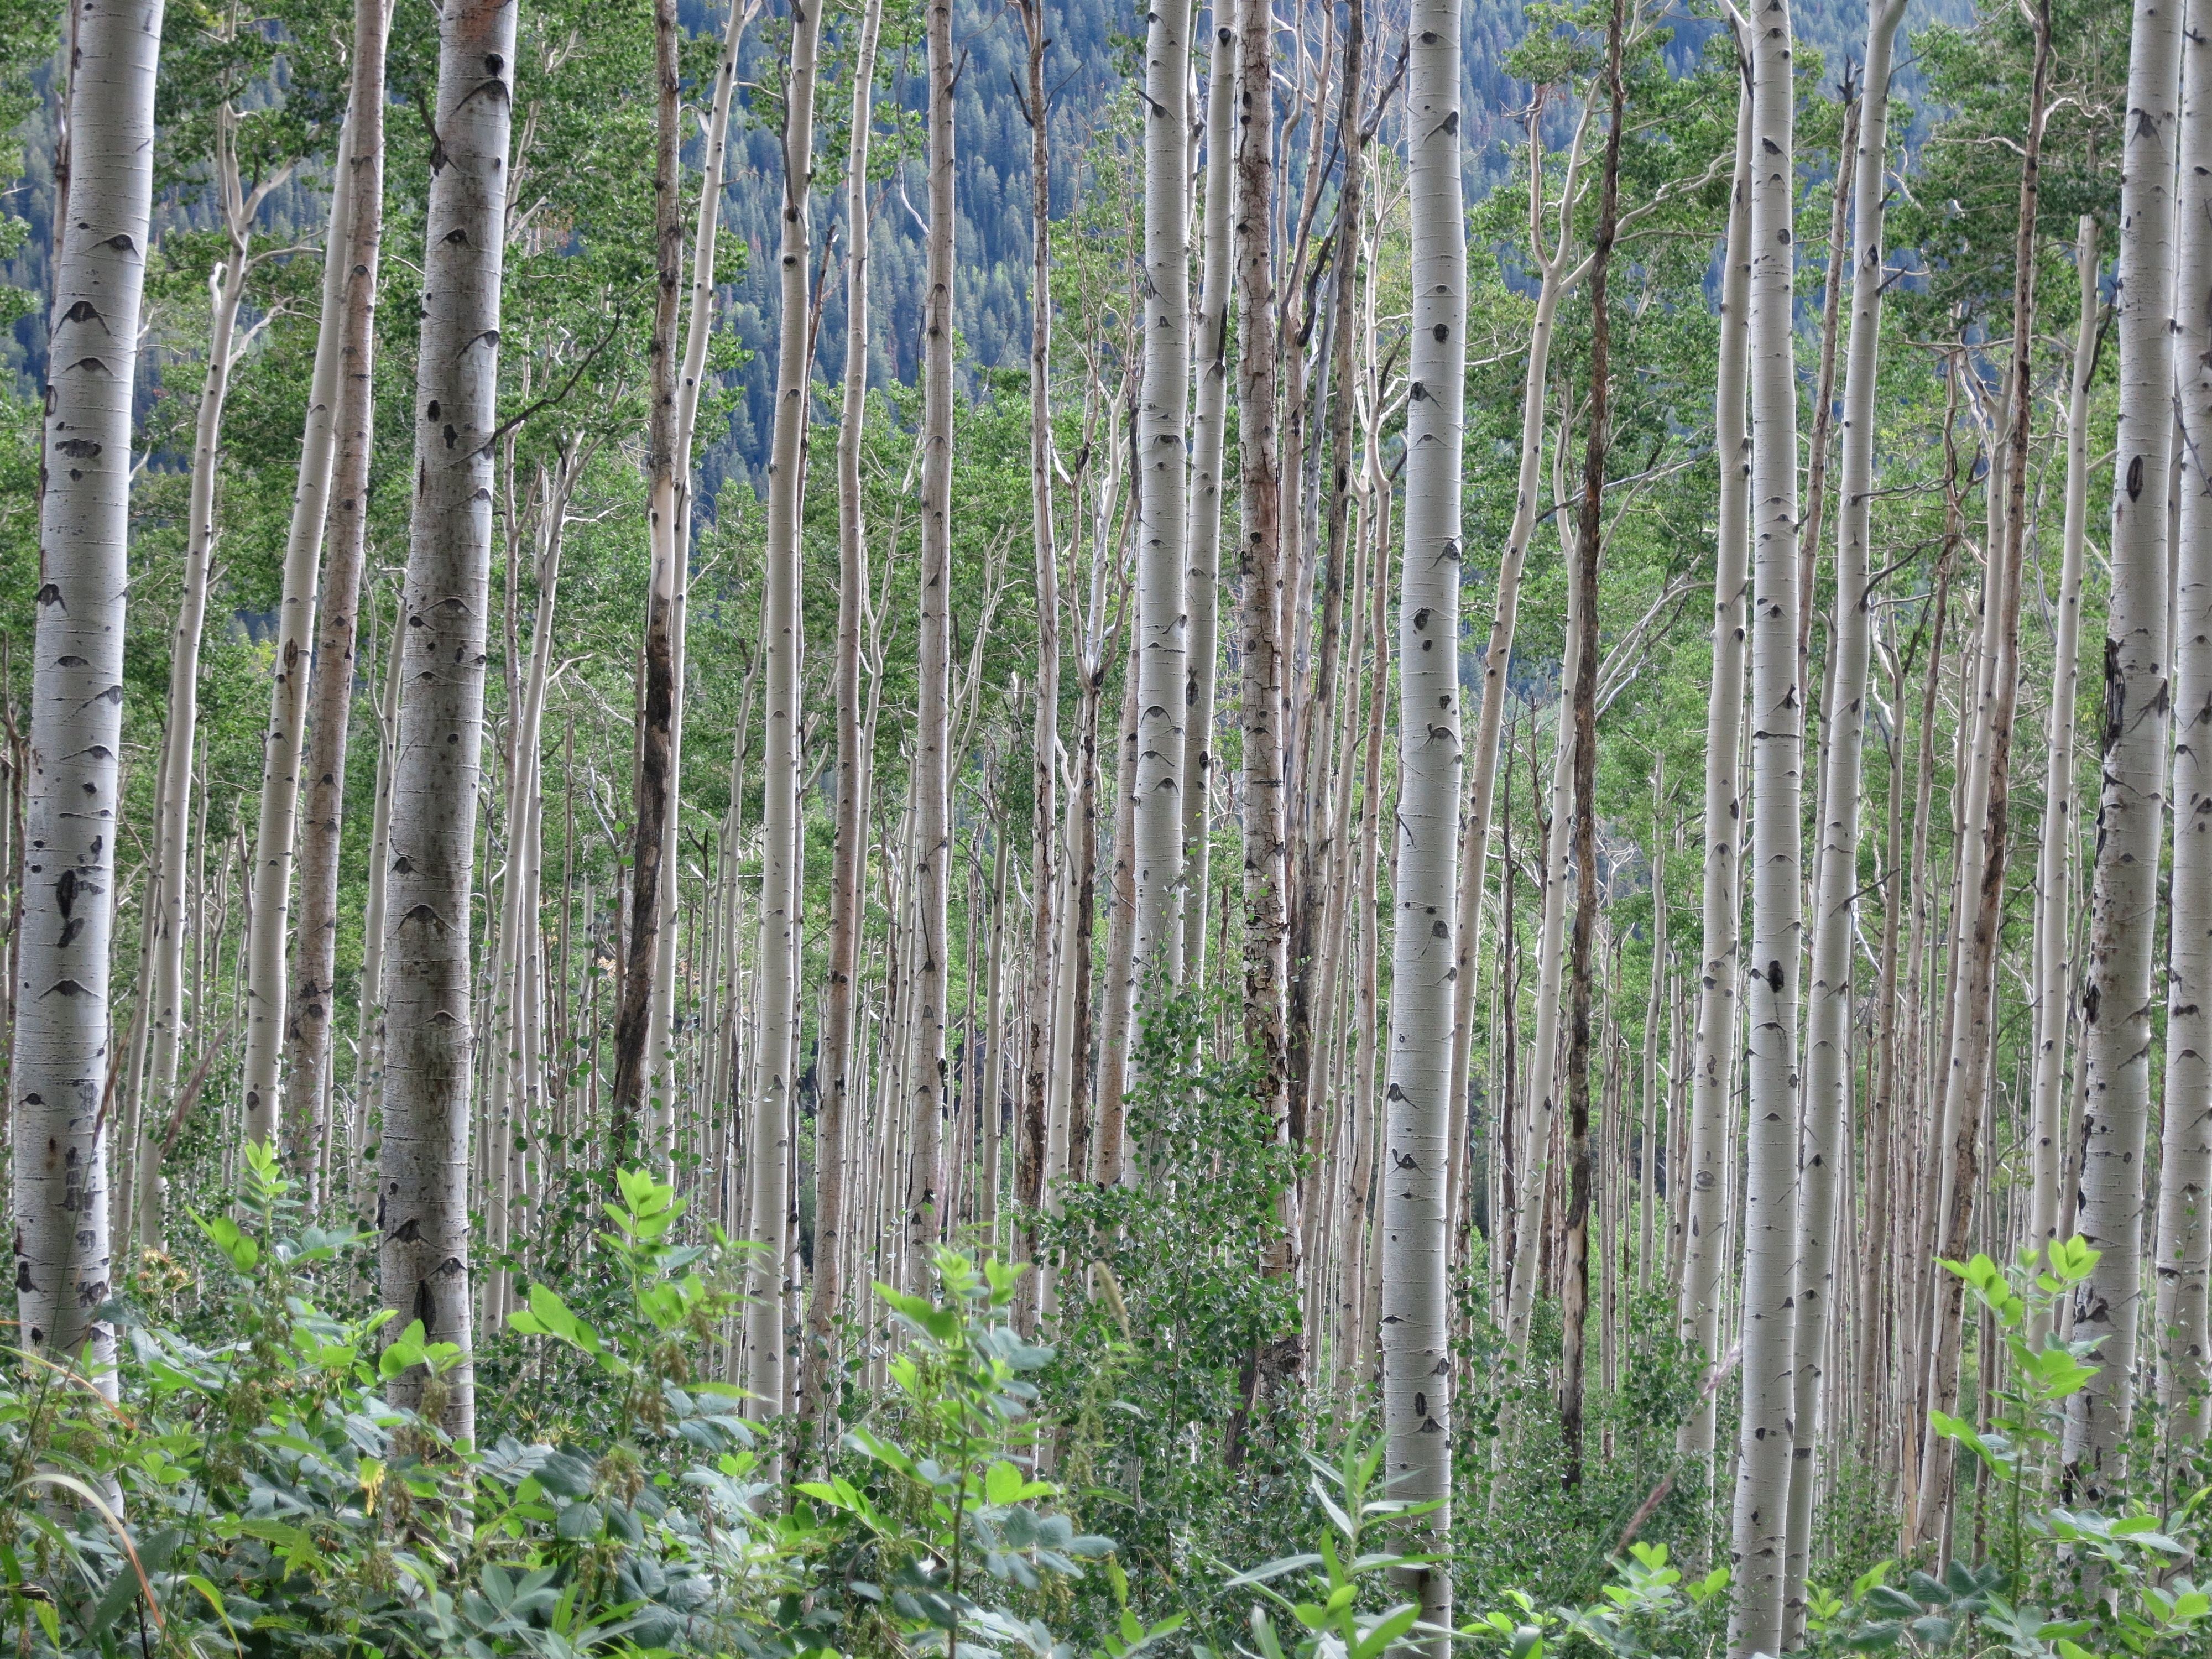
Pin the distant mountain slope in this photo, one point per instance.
(991, 301)
(1093, 48)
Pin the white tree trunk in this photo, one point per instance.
(429, 1041)
(660, 1048)
(276, 835)
(1777, 704)
(1416, 1227)
(1541, 1096)
(847, 906)
(308, 1022)
(929, 979)
(782, 641)
(1203, 544)
(1553, 280)
(2117, 1002)
(73, 785)
(225, 292)
(1267, 867)
(2054, 901)
(1825, 1146)
(1162, 505)
(2184, 1184)
(1705, 1177)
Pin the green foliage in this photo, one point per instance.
(1348, 1612)
(1649, 1612)
(262, 1491)
(951, 1534)
(2070, 1584)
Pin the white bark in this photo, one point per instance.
(307, 1021)
(832, 1186)
(73, 782)
(1202, 536)
(1554, 278)
(1161, 504)
(1705, 1177)
(2054, 901)
(429, 1042)
(929, 977)
(225, 292)
(1261, 571)
(1416, 1227)
(1777, 893)
(277, 831)
(1825, 1146)
(1541, 1096)
(2185, 1162)
(782, 640)
(2117, 1002)
(659, 1050)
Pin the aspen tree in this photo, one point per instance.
(659, 1054)
(1552, 251)
(429, 1036)
(330, 693)
(847, 902)
(1267, 969)
(767, 1195)
(1542, 1092)
(2184, 1170)
(1416, 1229)
(1826, 1142)
(1202, 539)
(1589, 545)
(654, 802)
(71, 787)
(238, 205)
(1705, 1175)
(1776, 894)
(1162, 505)
(932, 831)
(2054, 902)
(269, 917)
(2116, 1001)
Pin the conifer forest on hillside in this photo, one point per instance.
(1248, 829)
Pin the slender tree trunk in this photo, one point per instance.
(847, 910)
(1554, 278)
(1313, 820)
(73, 798)
(2116, 1001)
(1647, 1153)
(652, 888)
(287, 697)
(1156, 860)
(1881, 1131)
(2054, 899)
(1039, 1033)
(2184, 1170)
(1589, 544)
(1416, 1226)
(1825, 1148)
(1777, 706)
(1542, 1094)
(422, 1207)
(1969, 1082)
(330, 695)
(1202, 539)
(1705, 1178)
(774, 1097)
(226, 287)
(932, 737)
(1266, 844)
